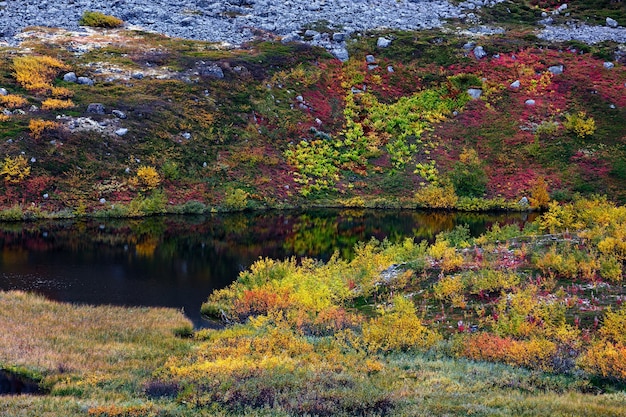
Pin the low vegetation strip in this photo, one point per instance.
(513, 322)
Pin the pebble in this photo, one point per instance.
(515, 84)
(3, 92)
(608, 65)
(383, 42)
(612, 23)
(70, 77)
(121, 132)
(475, 93)
(556, 69)
(530, 102)
(85, 81)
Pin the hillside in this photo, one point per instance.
(120, 122)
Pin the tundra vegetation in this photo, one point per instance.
(272, 125)
(512, 322)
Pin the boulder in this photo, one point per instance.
(95, 108)
(612, 23)
(383, 42)
(70, 77)
(475, 93)
(479, 52)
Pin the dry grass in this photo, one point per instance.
(90, 343)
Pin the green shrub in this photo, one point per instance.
(100, 20)
(468, 175)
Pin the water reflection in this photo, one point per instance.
(178, 261)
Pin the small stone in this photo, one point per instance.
(341, 54)
(127, 170)
(33, 160)
(121, 132)
(475, 93)
(479, 52)
(608, 65)
(530, 102)
(562, 7)
(339, 37)
(84, 81)
(318, 121)
(45, 196)
(390, 69)
(102, 200)
(3, 92)
(556, 69)
(515, 84)
(137, 75)
(523, 201)
(96, 108)
(611, 106)
(204, 165)
(70, 77)
(370, 59)
(469, 46)
(213, 71)
(383, 42)
(612, 23)
(371, 67)
(292, 37)
(311, 33)
(119, 114)
(300, 99)
(186, 135)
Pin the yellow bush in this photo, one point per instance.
(147, 177)
(398, 329)
(35, 73)
(13, 101)
(614, 326)
(100, 20)
(539, 196)
(61, 92)
(447, 256)
(450, 288)
(605, 359)
(433, 196)
(37, 127)
(580, 124)
(15, 169)
(56, 104)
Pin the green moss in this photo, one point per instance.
(101, 20)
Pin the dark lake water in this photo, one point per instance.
(177, 261)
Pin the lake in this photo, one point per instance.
(177, 261)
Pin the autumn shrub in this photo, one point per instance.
(451, 289)
(398, 328)
(56, 104)
(36, 73)
(446, 256)
(539, 196)
(61, 92)
(236, 200)
(437, 197)
(607, 356)
(580, 124)
(147, 177)
(100, 20)
(38, 126)
(13, 101)
(14, 169)
(534, 353)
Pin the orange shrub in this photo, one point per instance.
(38, 126)
(56, 104)
(35, 73)
(147, 177)
(61, 92)
(605, 359)
(260, 301)
(13, 101)
(535, 353)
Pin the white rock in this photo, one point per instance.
(515, 84)
(612, 23)
(530, 102)
(608, 65)
(121, 132)
(383, 42)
